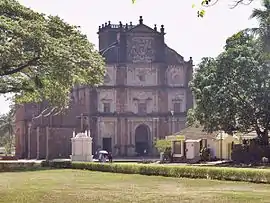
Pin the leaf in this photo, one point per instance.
(201, 13)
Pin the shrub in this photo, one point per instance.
(8, 158)
(56, 164)
(17, 166)
(205, 154)
(233, 174)
(162, 145)
(218, 173)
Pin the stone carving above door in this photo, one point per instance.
(140, 49)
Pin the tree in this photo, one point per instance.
(263, 31)
(7, 130)
(162, 145)
(43, 57)
(232, 92)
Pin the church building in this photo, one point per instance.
(145, 96)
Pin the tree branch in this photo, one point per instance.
(240, 2)
(19, 68)
(52, 110)
(15, 90)
(41, 114)
(58, 112)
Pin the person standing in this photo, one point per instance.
(110, 157)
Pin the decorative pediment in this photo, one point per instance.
(143, 29)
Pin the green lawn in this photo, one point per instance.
(71, 186)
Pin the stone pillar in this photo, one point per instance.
(29, 140)
(126, 136)
(47, 142)
(173, 125)
(131, 149)
(122, 134)
(128, 132)
(115, 133)
(133, 133)
(38, 135)
(99, 137)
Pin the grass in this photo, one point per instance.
(78, 186)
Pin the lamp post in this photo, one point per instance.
(172, 114)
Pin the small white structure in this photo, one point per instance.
(193, 149)
(177, 145)
(81, 147)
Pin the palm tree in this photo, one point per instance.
(263, 31)
(7, 130)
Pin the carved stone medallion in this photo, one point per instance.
(141, 49)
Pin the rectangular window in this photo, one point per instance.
(177, 107)
(106, 107)
(142, 108)
(177, 147)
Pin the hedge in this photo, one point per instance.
(217, 173)
(18, 166)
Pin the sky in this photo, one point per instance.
(189, 35)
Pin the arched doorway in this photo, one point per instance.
(142, 133)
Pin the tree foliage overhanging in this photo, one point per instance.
(7, 132)
(209, 3)
(42, 57)
(232, 91)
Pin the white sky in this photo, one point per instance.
(187, 34)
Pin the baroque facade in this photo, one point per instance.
(145, 96)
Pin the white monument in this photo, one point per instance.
(81, 147)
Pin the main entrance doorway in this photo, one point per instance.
(142, 133)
